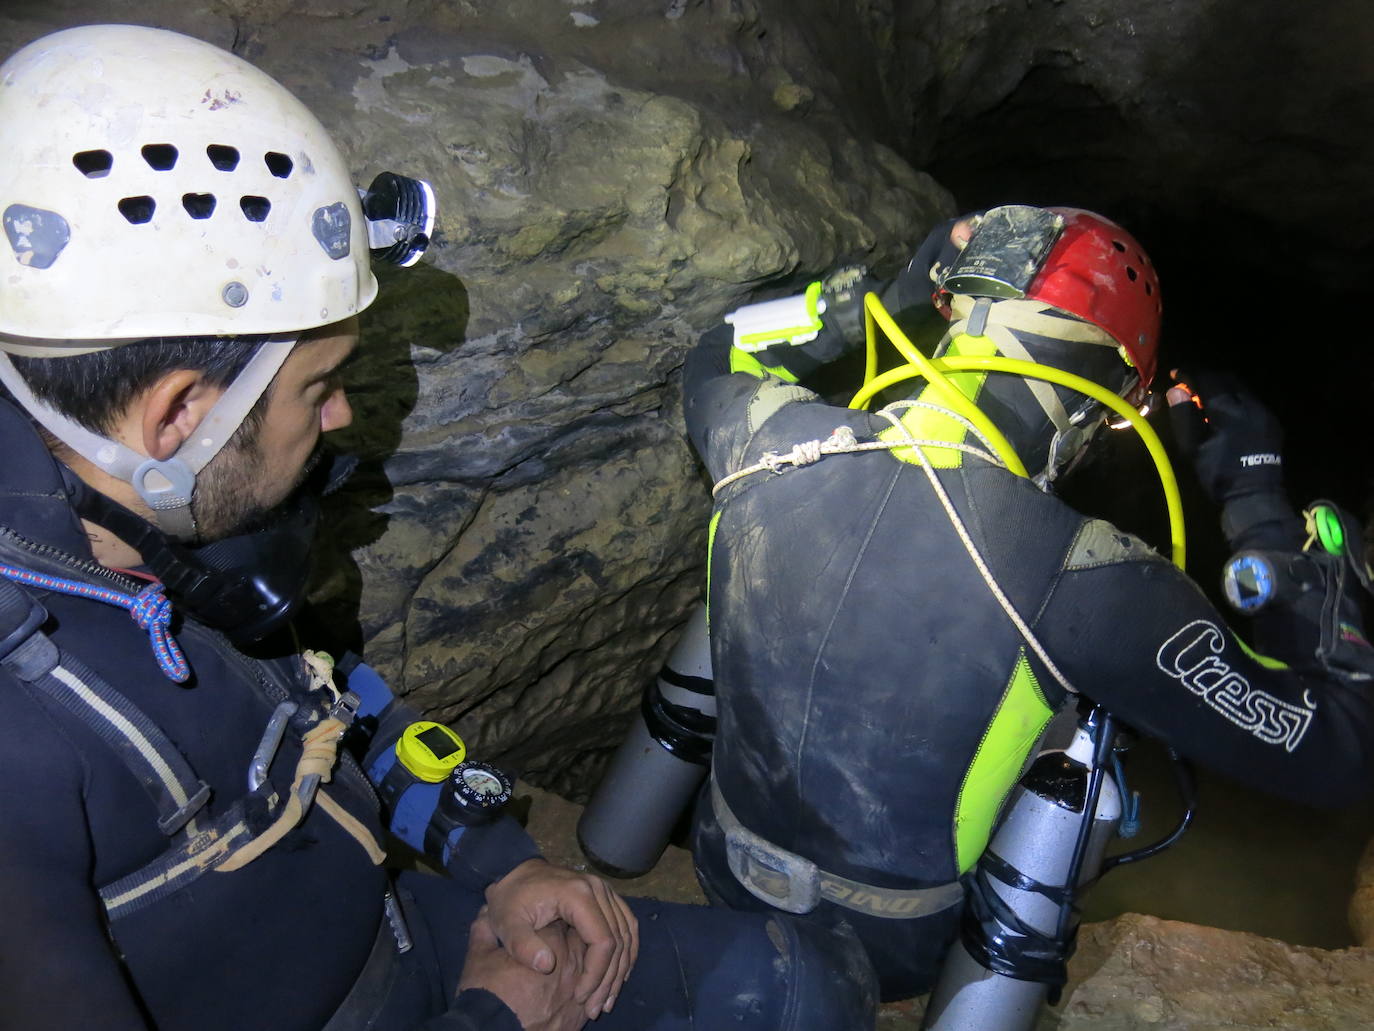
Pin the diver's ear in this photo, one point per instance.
(167, 413)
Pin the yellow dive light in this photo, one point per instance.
(429, 751)
(934, 369)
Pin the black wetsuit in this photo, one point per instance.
(877, 702)
(281, 942)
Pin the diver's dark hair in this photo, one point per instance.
(96, 388)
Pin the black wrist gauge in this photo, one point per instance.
(475, 792)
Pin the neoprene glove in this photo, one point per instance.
(843, 322)
(1236, 446)
(913, 286)
(907, 298)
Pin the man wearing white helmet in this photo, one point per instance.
(191, 837)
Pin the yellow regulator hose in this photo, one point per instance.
(934, 369)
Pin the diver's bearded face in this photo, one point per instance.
(233, 497)
(271, 454)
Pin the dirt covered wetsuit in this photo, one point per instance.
(288, 941)
(876, 703)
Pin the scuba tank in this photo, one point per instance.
(1019, 922)
(661, 764)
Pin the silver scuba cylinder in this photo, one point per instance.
(1018, 925)
(661, 764)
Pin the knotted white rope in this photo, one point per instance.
(843, 442)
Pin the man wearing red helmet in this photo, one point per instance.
(895, 616)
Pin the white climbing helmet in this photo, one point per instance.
(155, 185)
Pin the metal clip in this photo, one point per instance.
(268, 745)
(397, 919)
(345, 710)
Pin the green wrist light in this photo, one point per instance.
(1330, 533)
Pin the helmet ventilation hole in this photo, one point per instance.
(226, 159)
(278, 164)
(1149, 289)
(1131, 274)
(137, 210)
(161, 157)
(255, 209)
(198, 205)
(1119, 246)
(93, 164)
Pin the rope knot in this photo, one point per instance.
(152, 611)
(151, 608)
(806, 452)
(321, 749)
(841, 439)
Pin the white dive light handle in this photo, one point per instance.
(788, 320)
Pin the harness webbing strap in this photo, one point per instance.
(980, 317)
(1034, 317)
(229, 841)
(147, 752)
(179, 866)
(782, 870)
(316, 764)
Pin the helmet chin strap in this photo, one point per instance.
(1069, 444)
(166, 486)
(999, 321)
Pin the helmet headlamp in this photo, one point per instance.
(400, 218)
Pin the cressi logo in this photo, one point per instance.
(1193, 656)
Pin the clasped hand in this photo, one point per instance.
(552, 944)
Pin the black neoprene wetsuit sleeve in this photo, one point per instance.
(1143, 640)
(476, 1009)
